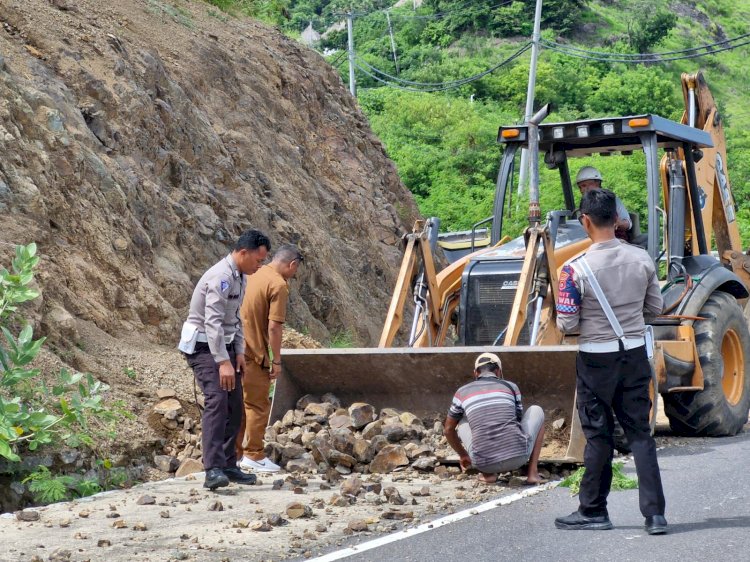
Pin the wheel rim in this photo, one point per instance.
(733, 376)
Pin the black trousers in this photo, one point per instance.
(223, 409)
(616, 381)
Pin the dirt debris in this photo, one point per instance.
(256, 516)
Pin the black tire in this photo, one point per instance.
(723, 343)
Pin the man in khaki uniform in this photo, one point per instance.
(263, 313)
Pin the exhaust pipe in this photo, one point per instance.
(535, 214)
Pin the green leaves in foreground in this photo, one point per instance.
(620, 481)
(31, 413)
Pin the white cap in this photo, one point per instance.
(588, 173)
(486, 359)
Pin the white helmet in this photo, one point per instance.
(588, 173)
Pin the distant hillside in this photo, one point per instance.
(444, 141)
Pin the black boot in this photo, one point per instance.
(236, 475)
(656, 525)
(215, 478)
(577, 520)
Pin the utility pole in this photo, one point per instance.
(393, 43)
(530, 90)
(350, 31)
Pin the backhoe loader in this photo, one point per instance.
(500, 296)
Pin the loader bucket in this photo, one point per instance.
(423, 380)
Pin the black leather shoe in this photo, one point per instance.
(215, 478)
(236, 475)
(656, 525)
(577, 521)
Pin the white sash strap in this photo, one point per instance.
(602, 299)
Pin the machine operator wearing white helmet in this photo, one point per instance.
(589, 178)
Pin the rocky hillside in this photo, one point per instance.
(138, 138)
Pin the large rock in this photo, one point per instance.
(425, 463)
(274, 451)
(351, 486)
(324, 409)
(189, 466)
(341, 421)
(168, 406)
(307, 439)
(164, 393)
(321, 449)
(388, 413)
(304, 464)
(407, 418)
(361, 414)
(414, 450)
(393, 496)
(307, 399)
(393, 432)
(343, 440)
(288, 419)
(363, 451)
(295, 435)
(296, 510)
(166, 463)
(389, 458)
(372, 429)
(291, 451)
(59, 323)
(339, 458)
(378, 442)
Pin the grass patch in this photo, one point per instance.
(222, 17)
(177, 13)
(620, 481)
(342, 339)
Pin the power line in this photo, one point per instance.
(395, 81)
(450, 12)
(464, 7)
(640, 58)
(664, 53)
(336, 62)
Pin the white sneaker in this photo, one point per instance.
(263, 465)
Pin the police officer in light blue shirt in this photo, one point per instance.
(214, 345)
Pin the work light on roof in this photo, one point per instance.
(608, 128)
(558, 132)
(582, 130)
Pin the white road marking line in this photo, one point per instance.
(431, 525)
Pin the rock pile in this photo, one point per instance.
(320, 435)
(182, 453)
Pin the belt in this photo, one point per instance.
(610, 346)
(201, 337)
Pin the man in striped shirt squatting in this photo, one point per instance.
(494, 434)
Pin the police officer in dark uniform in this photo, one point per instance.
(605, 294)
(214, 345)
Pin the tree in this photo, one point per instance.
(649, 21)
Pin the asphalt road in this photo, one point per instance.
(707, 488)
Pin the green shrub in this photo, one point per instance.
(31, 413)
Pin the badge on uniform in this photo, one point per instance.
(224, 285)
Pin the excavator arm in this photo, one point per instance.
(716, 220)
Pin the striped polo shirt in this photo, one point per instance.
(494, 417)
